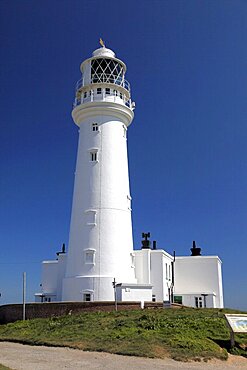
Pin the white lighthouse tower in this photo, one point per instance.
(100, 241)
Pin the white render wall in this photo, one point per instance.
(189, 300)
(101, 212)
(199, 275)
(49, 276)
(152, 267)
(61, 268)
(101, 188)
(134, 293)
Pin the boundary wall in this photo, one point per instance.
(13, 312)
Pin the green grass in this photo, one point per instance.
(183, 334)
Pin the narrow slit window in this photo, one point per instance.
(99, 90)
(85, 94)
(107, 91)
(95, 127)
(94, 156)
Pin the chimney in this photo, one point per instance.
(195, 251)
(145, 242)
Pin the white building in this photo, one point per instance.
(100, 240)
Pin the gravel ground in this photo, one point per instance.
(23, 357)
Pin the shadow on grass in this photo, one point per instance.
(226, 344)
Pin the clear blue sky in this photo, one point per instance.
(187, 65)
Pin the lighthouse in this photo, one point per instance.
(100, 241)
(100, 264)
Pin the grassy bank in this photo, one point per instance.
(2, 367)
(182, 334)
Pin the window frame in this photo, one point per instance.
(95, 127)
(89, 256)
(87, 295)
(92, 214)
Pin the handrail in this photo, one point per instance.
(105, 78)
(92, 98)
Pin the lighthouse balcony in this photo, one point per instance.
(107, 94)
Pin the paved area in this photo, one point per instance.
(23, 357)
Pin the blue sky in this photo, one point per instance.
(187, 65)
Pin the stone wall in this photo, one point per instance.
(13, 312)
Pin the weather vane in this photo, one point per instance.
(102, 42)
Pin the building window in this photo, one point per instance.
(87, 297)
(153, 298)
(115, 92)
(121, 95)
(94, 156)
(107, 91)
(85, 94)
(99, 90)
(198, 302)
(90, 257)
(178, 299)
(95, 127)
(169, 272)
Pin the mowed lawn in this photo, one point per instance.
(183, 334)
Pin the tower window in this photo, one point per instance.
(90, 256)
(99, 90)
(90, 217)
(107, 91)
(115, 92)
(86, 297)
(95, 127)
(85, 94)
(94, 156)
(121, 95)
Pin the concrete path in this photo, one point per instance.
(23, 357)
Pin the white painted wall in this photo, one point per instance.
(61, 268)
(151, 269)
(49, 277)
(134, 292)
(197, 275)
(102, 188)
